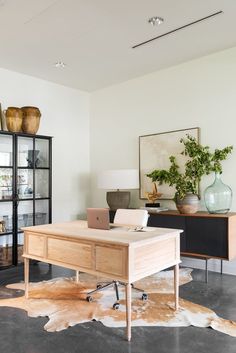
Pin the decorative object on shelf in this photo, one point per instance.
(154, 195)
(3, 125)
(2, 227)
(31, 119)
(123, 179)
(200, 162)
(32, 158)
(154, 209)
(218, 196)
(14, 119)
(154, 152)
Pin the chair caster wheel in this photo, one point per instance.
(116, 306)
(89, 299)
(144, 296)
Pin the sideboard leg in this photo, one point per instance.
(206, 270)
(221, 267)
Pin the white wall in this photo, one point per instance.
(65, 116)
(200, 93)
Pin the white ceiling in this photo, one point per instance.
(95, 37)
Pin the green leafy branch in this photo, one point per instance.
(201, 162)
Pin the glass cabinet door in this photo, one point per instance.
(25, 149)
(41, 153)
(6, 200)
(6, 236)
(41, 212)
(6, 167)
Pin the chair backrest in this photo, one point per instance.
(137, 218)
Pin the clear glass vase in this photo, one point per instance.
(218, 196)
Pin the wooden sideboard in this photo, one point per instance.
(205, 235)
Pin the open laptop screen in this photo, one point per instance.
(98, 218)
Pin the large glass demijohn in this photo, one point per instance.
(218, 196)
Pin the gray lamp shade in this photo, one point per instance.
(124, 179)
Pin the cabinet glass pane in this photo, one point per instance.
(25, 152)
(6, 151)
(6, 183)
(5, 250)
(41, 212)
(42, 151)
(6, 217)
(20, 242)
(25, 183)
(25, 214)
(41, 183)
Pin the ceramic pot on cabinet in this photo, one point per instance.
(31, 119)
(14, 118)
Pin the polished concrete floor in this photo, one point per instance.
(21, 334)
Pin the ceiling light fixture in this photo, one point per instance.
(60, 64)
(155, 21)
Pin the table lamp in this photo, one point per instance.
(119, 179)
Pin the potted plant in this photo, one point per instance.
(200, 162)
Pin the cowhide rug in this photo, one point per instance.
(62, 300)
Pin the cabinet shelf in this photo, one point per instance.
(5, 233)
(36, 168)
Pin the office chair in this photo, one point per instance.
(136, 219)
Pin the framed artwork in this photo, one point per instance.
(154, 153)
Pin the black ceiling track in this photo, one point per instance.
(178, 29)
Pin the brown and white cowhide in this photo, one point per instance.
(62, 300)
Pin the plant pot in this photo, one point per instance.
(31, 119)
(189, 204)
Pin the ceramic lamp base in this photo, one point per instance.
(118, 199)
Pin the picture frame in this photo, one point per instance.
(154, 153)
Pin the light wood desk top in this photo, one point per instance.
(118, 234)
(118, 253)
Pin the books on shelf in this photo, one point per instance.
(154, 209)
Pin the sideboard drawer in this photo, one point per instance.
(70, 252)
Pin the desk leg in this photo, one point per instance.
(26, 275)
(128, 310)
(77, 277)
(176, 286)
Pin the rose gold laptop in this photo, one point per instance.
(98, 218)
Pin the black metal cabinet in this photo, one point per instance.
(25, 189)
(205, 235)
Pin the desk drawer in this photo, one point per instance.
(70, 252)
(35, 245)
(111, 260)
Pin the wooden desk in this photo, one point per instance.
(118, 254)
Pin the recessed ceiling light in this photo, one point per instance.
(155, 21)
(60, 64)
